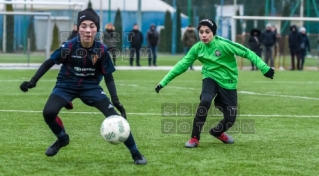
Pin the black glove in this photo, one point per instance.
(158, 88)
(26, 85)
(270, 73)
(119, 107)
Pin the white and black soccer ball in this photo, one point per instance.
(115, 129)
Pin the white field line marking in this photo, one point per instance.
(277, 95)
(255, 93)
(158, 114)
(131, 85)
(190, 88)
(116, 80)
(21, 80)
(287, 82)
(186, 81)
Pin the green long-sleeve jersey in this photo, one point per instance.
(219, 62)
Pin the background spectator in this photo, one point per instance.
(268, 38)
(136, 40)
(74, 32)
(189, 39)
(304, 46)
(255, 44)
(109, 39)
(152, 37)
(294, 41)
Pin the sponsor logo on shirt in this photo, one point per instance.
(84, 69)
(83, 72)
(217, 53)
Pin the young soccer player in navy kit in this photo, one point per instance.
(84, 63)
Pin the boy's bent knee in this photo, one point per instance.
(49, 114)
(206, 99)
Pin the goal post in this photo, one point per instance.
(48, 32)
(34, 21)
(46, 3)
(283, 47)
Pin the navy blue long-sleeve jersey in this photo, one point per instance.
(82, 67)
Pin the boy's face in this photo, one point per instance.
(87, 31)
(205, 34)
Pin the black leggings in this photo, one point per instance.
(225, 100)
(55, 103)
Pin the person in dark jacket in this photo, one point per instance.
(268, 38)
(136, 40)
(304, 46)
(74, 32)
(152, 38)
(189, 39)
(294, 41)
(110, 39)
(255, 44)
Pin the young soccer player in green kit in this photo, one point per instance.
(220, 76)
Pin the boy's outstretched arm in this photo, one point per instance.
(57, 57)
(242, 51)
(179, 68)
(46, 65)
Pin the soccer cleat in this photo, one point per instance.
(193, 142)
(225, 138)
(56, 146)
(139, 159)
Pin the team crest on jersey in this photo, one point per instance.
(94, 58)
(217, 53)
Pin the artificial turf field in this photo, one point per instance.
(162, 60)
(276, 131)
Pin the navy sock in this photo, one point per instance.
(130, 144)
(62, 135)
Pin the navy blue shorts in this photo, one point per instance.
(88, 96)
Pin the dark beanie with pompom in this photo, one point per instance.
(89, 14)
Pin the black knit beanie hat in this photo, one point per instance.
(209, 23)
(89, 14)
